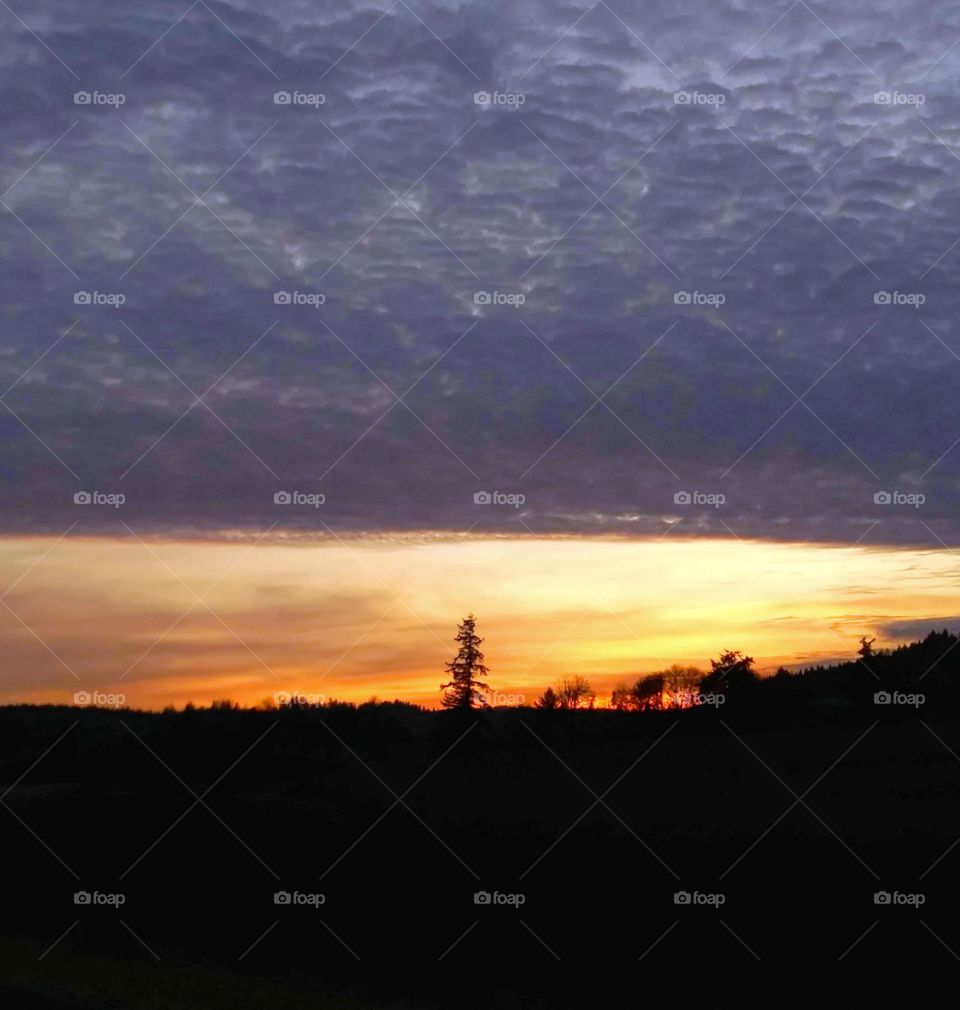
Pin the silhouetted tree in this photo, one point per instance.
(622, 698)
(548, 699)
(648, 693)
(575, 692)
(300, 702)
(731, 672)
(465, 689)
(680, 683)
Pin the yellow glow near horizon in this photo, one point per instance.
(376, 616)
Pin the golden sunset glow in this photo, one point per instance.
(167, 622)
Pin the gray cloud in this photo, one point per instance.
(598, 199)
(912, 630)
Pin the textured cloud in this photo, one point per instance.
(698, 204)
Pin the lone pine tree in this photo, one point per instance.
(464, 689)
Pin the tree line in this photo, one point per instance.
(732, 673)
(676, 687)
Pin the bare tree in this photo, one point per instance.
(681, 685)
(575, 692)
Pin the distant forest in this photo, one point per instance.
(907, 676)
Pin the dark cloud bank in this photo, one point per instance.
(700, 207)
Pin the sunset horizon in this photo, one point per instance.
(548, 607)
(479, 488)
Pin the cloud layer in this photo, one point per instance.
(594, 256)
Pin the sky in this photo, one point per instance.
(498, 288)
(356, 618)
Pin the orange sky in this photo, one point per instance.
(376, 616)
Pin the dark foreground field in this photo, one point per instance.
(784, 826)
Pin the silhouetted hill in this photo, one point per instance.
(781, 812)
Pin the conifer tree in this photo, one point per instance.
(464, 689)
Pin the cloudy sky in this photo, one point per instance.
(780, 184)
(636, 264)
